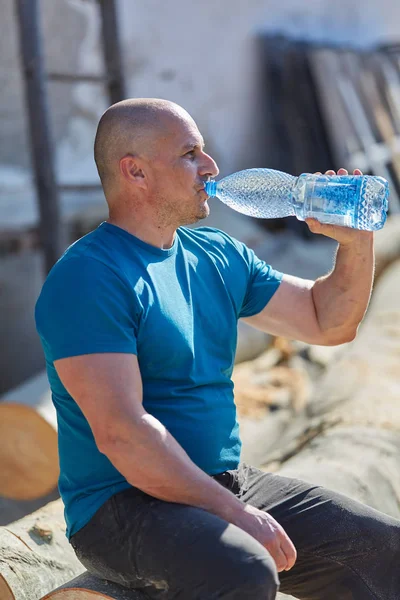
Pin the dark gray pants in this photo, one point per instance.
(346, 551)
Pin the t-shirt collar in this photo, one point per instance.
(114, 229)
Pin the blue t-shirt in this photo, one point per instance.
(177, 310)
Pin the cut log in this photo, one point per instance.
(387, 244)
(349, 439)
(28, 432)
(87, 587)
(35, 555)
(28, 453)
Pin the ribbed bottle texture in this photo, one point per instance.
(264, 193)
(360, 202)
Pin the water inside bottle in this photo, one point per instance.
(332, 201)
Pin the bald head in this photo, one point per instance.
(133, 127)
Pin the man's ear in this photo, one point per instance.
(131, 168)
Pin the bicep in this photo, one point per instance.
(290, 312)
(107, 388)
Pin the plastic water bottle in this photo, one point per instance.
(356, 201)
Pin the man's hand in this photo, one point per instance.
(343, 235)
(270, 534)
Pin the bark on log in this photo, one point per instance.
(35, 556)
(349, 440)
(349, 437)
(28, 433)
(387, 244)
(351, 430)
(87, 587)
(28, 453)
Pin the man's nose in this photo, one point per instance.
(209, 167)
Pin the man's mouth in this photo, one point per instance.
(202, 189)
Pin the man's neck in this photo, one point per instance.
(150, 233)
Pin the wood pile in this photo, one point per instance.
(330, 107)
(328, 415)
(28, 451)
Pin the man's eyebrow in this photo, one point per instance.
(193, 146)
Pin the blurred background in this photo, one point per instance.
(256, 77)
(296, 86)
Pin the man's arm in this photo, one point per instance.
(108, 390)
(342, 297)
(329, 310)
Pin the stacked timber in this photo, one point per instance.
(35, 556)
(28, 450)
(330, 107)
(327, 415)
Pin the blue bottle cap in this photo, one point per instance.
(210, 188)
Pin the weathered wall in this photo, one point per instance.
(201, 55)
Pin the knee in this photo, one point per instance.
(391, 539)
(258, 580)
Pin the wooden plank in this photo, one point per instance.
(390, 84)
(302, 116)
(325, 68)
(347, 118)
(351, 90)
(382, 116)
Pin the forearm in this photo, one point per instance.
(151, 459)
(341, 298)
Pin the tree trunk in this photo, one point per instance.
(387, 244)
(350, 434)
(87, 587)
(35, 555)
(28, 450)
(349, 440)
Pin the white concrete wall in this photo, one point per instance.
(202, 55)
(199, 54)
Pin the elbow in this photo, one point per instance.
(350, 337)
(111, 442)
(116, 436)
(105, 444)
(336, 338)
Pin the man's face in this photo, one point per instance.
(179, 169)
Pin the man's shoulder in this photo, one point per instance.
(84, 261)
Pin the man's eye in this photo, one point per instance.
(190, 154)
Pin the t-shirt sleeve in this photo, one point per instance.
(86, 308)
(262, 281)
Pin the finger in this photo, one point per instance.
(318, 173)
(330, 172)
(289, 551)
(357, 172)
(343, 172)
(313, 225)
(279, 558)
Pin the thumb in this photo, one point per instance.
(321, 228)
(314, 225)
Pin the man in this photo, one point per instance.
(138, 322)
